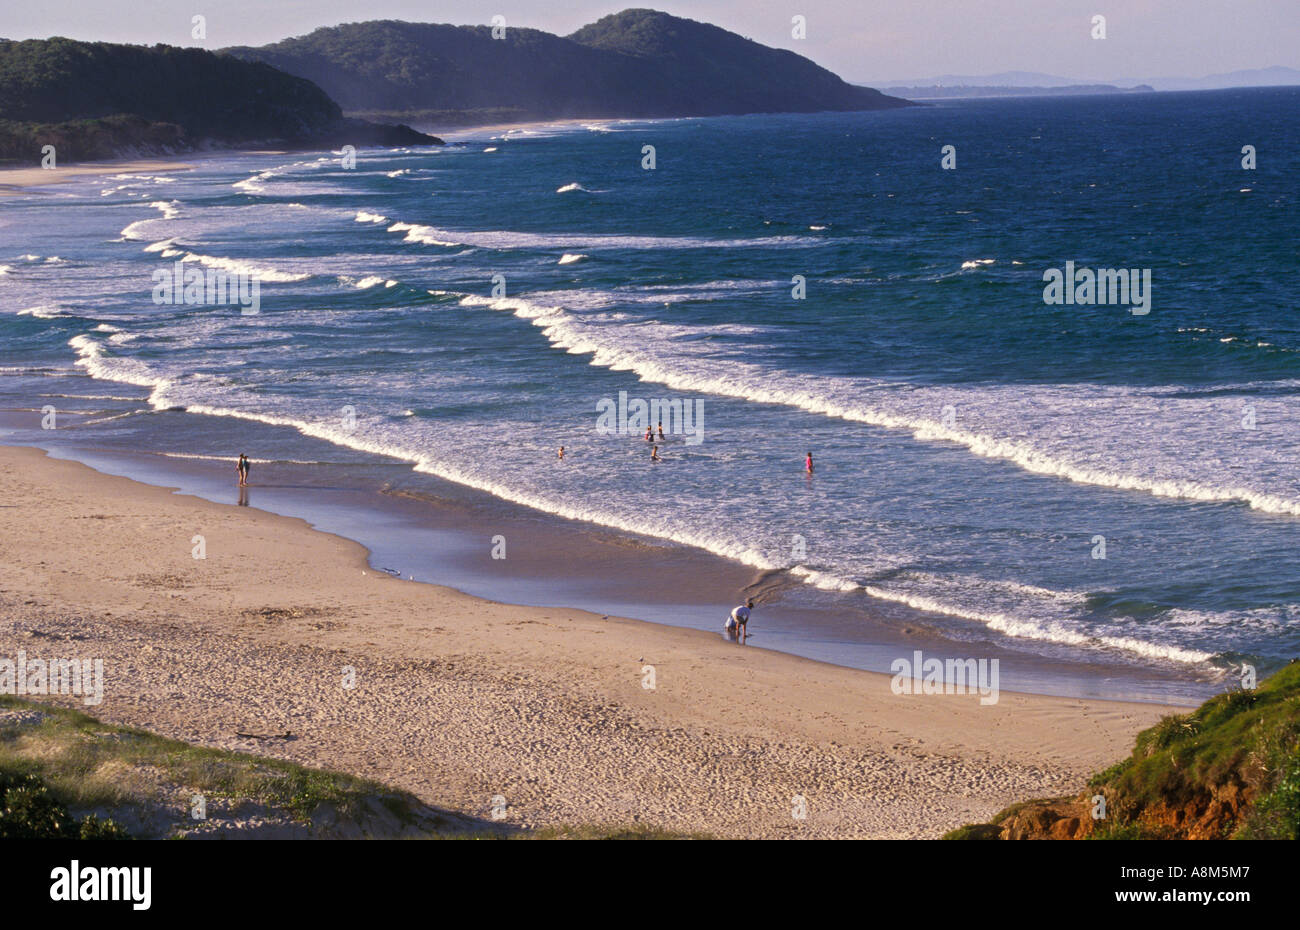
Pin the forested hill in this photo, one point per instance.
(638, 63)
(98, 100)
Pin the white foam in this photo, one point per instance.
(91, 357)
(135, 231)
(1053, 632)
(372, 280)
(507, 239)
(255, 184)
(165, 246)
(568, 258)
(1037, 613)
(364, 217)
(249, 268)
(142, 178)
(170, 210)
(1034, 613)
(1049, 631)
(425, 235)
(673, 365)
(168, 393)
(44, 312)
(108, 419)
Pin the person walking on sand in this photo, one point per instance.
(649, 434)
(738, 620)
(243, 470)
(807, 464)
(561, 453)
(654, 454)
(661, 430)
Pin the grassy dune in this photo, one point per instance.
(65, 774)
(149, 785)
(1228, 770)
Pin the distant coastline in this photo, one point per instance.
(941, 92)
(1276, 76)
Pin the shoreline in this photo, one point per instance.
(441, 534)
(459, 699)
(19, 179)
(1076, 674)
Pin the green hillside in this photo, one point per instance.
(97, 100)
(638, 63)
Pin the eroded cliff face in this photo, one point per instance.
(1212, 814)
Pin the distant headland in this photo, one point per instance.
(96, 100)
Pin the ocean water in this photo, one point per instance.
(975, 447)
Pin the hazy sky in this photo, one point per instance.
(861, 40)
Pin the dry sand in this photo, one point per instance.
(459, 699)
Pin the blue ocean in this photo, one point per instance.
(1075, 480)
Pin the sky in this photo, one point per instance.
(861, 40)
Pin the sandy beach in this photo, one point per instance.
(13, 180)
(460, 700)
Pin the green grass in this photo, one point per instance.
(29, 810)
(974, 831)
(1276, 815)
(1241, 735)
(1244, 739)
(87, 764)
